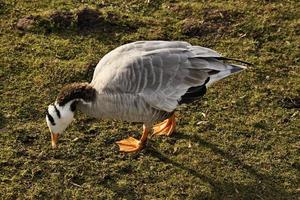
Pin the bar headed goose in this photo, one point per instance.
(142, 81)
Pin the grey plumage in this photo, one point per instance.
(144, 81)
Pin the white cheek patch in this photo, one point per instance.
(59, 117)
(57, 111)
(48, 122)
(52, 112)
(50, 117)
(54, 120)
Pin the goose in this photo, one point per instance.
(143, 81)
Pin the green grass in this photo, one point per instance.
(246, 146)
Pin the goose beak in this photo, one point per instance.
(54, 139)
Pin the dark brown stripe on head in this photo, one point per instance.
(73, 91)
(57, 112)
(50, 118)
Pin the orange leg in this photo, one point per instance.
(133, 145)
(166, 127)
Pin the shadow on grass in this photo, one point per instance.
(110, 182)
(163, 158)
(108, 28)
(3, 120)
(266, 187)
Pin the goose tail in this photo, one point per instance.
(229, 70)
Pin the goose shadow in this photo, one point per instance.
(265, 186)
(3, 121)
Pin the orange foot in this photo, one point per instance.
(166, 127)
(130, 145)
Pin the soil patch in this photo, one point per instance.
(61, 19)
(88, 18)
(26, 23)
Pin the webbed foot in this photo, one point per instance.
(166, 127)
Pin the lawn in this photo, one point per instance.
(241, 141)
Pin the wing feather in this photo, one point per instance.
(159, 71)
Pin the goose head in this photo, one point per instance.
(58, 119)
(60, 114)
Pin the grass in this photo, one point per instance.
(246, 146)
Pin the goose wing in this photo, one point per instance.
(158, 71)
